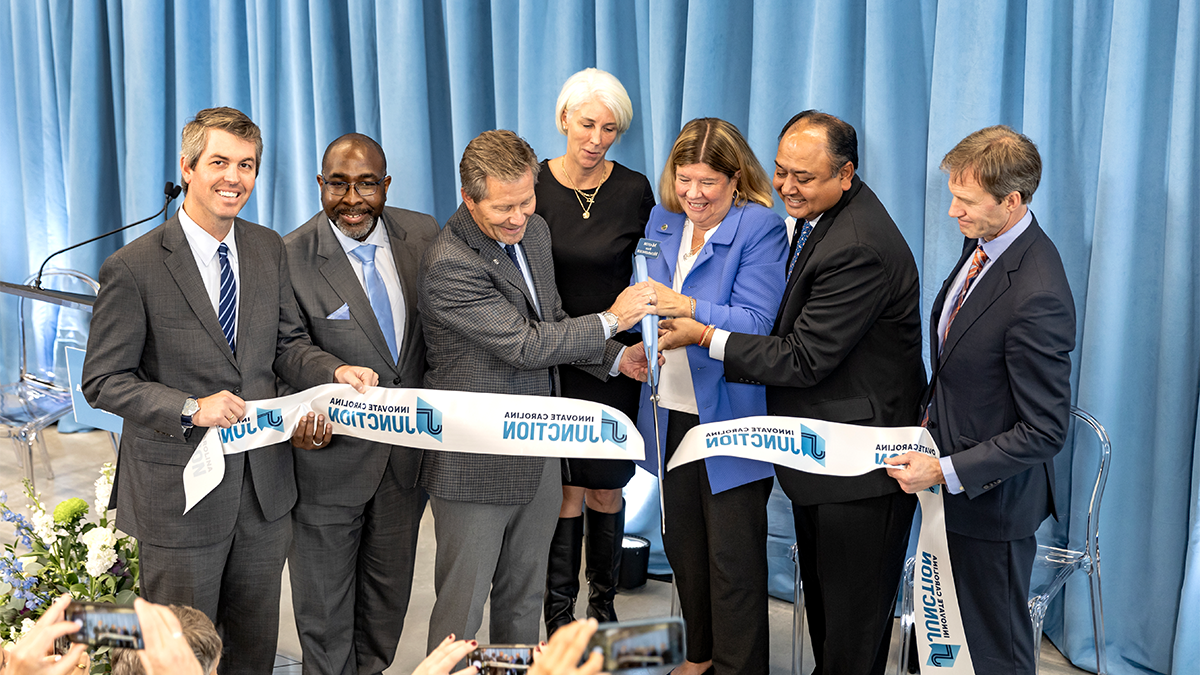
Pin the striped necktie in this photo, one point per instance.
(977, 263)
(227, 304)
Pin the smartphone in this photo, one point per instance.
(649, 646)
(105, 624)
(501, 659)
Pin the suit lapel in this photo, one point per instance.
(490, 250)
(336, 269)
(990, 288)
(408, 262)
(182, 265)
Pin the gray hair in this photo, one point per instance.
(593, 84)
(1001, 160)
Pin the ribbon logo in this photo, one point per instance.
(271, 418)
(812, 445)
(942, 655)
(612, 430)
(429, 420)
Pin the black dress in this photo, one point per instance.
(593, 263)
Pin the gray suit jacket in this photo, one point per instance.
(484, 335)
(155, 340)
(348, 472)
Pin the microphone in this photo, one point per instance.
(171, 190)
(648, 248)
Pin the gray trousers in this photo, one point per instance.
(236, 582)
(493, 549)
(351, 569)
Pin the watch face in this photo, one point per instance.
(191, 407)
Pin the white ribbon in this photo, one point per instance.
(429, 419)
(832, 449)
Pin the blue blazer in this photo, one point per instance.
(737, 281)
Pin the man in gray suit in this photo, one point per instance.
(354, 527)
(193, 318)
(494, 323)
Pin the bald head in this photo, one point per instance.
(366, 143)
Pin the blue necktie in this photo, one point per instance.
(227, 303)
(511, 250)
(800, 239)
(377, 292)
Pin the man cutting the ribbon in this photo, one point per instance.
(494, 323)
(1001, 333)
(192, 319)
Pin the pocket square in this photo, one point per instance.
(341, 313)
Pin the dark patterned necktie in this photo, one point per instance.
(227, 303)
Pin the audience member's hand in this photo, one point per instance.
(359, 377)
(669, 302)
(312, 432)
(32, 654)
(166, 652)
(222, 409)
(442, 659)
(561, 656)
(632, 304)
(681, 332)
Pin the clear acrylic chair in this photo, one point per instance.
(40, 396)
(1054, 564)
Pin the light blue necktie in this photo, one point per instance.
(800, 239)
(377, 292)
(227, 303)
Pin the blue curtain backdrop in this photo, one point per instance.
(93, 95)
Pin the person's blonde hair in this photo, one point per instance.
(200, 634)
(718, 144)
(500, 154)
(195, 133)
(1001, 160)
(593, 84)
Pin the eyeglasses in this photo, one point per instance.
(363, 188)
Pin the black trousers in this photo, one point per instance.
(851, 557)
(717, 547)
(992, 581)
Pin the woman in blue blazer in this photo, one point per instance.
(722, 263)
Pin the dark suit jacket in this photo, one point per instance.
(155, 340)
(846, 345)
(1002, 389)
(484, 335)
(348, 472)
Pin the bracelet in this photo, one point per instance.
(709, 331)
(693, 301)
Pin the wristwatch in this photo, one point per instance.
(611, 321)
(190, 407)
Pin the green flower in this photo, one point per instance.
(70, 511)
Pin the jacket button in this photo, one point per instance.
(237, 390)
(396, 381)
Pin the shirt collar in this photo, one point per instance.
(202, 243)
(996, 247)
(377, 237)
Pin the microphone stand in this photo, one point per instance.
(171, 190)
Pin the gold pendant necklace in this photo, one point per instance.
(580, 195)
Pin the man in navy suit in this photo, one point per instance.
(1001, 333)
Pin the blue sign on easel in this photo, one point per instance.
(85, 413)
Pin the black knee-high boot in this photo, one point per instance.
(562, 573)
(605, 532)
